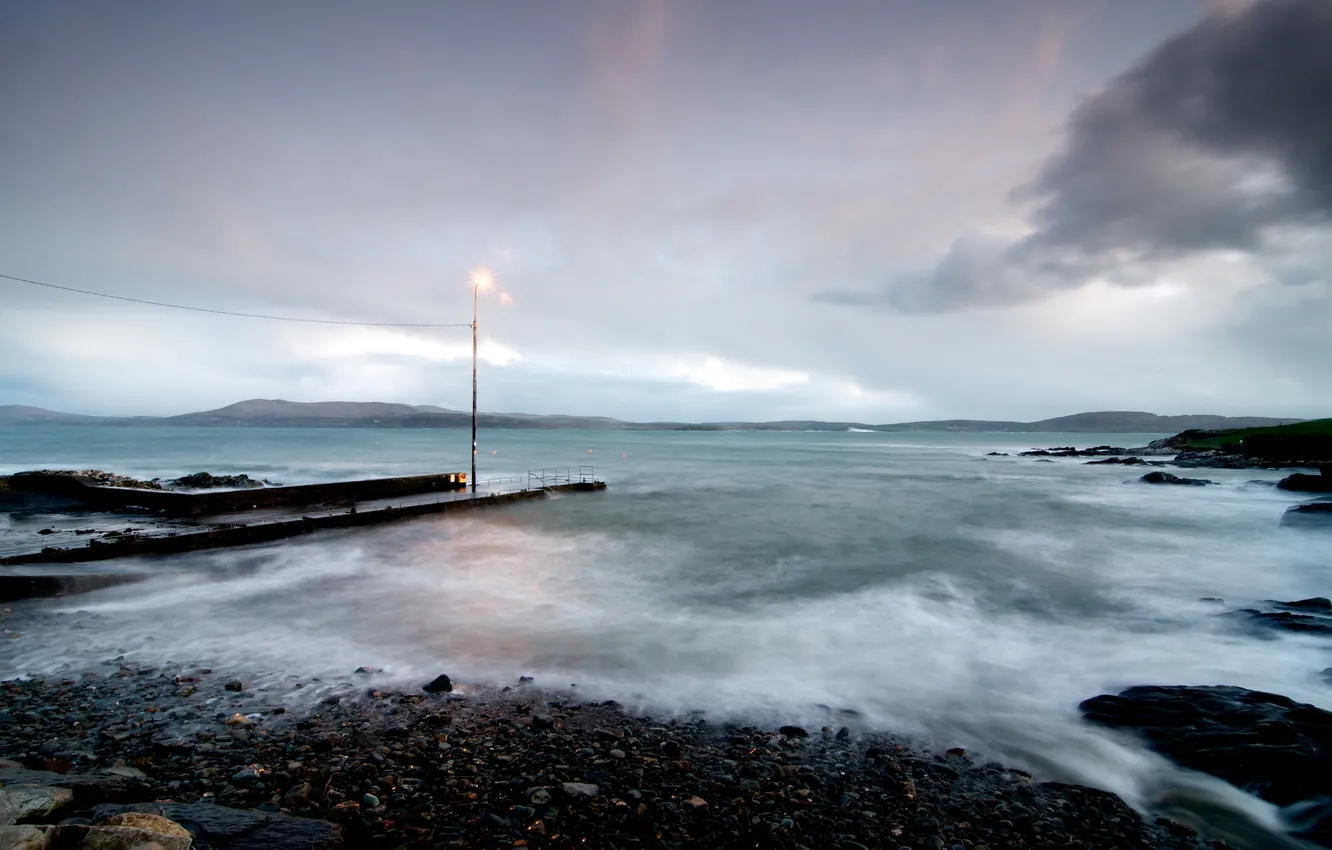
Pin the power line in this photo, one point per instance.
(230, 312)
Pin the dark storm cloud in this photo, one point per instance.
(1216, 138)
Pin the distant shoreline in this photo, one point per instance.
(279, 413)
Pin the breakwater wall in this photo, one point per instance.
(173, 503)
(241, 534)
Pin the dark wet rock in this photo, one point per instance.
(87, 788)
(441, 684)
(1265, 743)
(1214, 459)
(1313, 603)
(1158, 477)
(996, 454)
(42, 479)
(793, 732)
(1073, 451)
(1122, 461)
(1309, 616)
(1284, 621)
(1316, 515)
(1302, 482)
(235, 685)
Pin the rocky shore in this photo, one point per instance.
(518, 767)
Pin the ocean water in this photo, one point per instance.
(962, 599)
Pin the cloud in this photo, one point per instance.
(1217, 140)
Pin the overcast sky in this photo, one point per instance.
(752, 209)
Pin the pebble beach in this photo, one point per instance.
(517, 767)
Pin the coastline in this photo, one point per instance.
(525, 766)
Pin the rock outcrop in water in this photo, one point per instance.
(97, 477)
(1267, 744)
(1302, 482)
(208, 481)
(1304, 616)
(1316, 515)
(1167, 478)
(1074, 451)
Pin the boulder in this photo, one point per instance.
(441, 684)
(1159, 477)
(1302, 482)
(1313, 603)
(1305, 616)
(23, 838)
(1285, 621)
(129, 831)
(223, 828)
(1309, 515)
(87, 789)
(1266, 744)
(28, 801)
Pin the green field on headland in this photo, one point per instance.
(1236, 437)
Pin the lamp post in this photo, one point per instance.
(481, 279)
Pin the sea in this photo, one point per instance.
(900, 582)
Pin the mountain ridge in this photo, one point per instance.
(377, 414)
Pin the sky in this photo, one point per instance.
(865, 210)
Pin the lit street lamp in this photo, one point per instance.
(481, 279)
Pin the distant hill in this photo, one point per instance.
(260, 412)
(277, 411)
(19, 414)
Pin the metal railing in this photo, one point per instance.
(546, 479)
